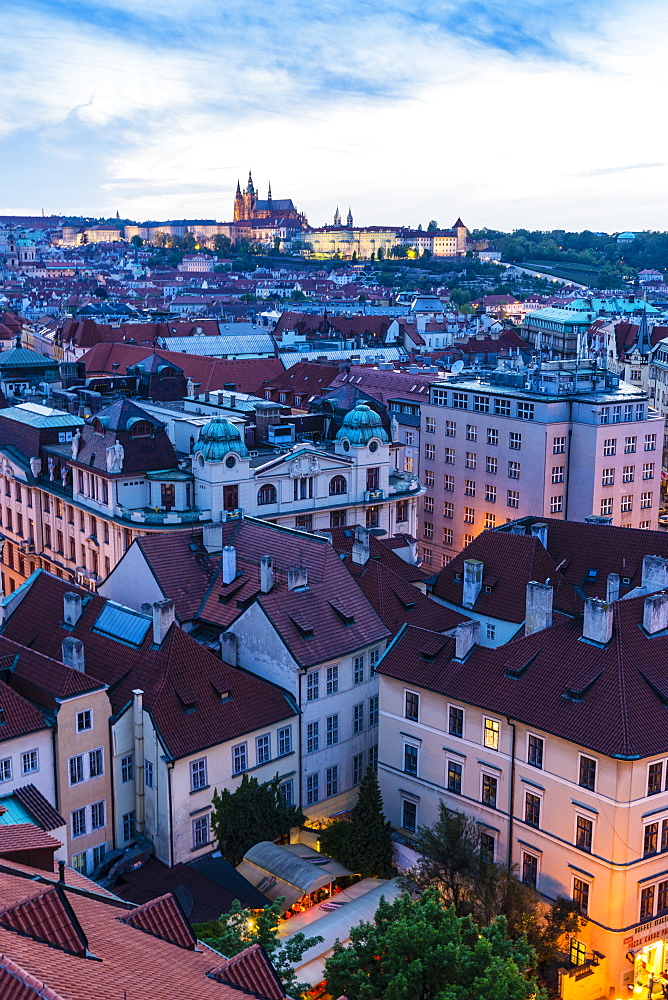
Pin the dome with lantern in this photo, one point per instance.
(218, 438)
(360, 425)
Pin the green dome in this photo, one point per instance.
(218, 438)
(361, 424)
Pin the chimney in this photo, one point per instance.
(297, 577)
(654, 573)
(473, 570)
(73, 606)
(147, 609)
(539, 531)
(597, 625)
(360, 554)
(612, 592)
(229, 564)
(61, 872)
(228, 648)
(138, 727)
(212, 536)
(538, 607)
(72, 653)
(163, 618)
(655, 613)
(266, 574)
(467, 635)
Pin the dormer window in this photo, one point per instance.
(142, 429)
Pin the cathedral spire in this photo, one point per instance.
(269, 193)
(337, 217)
(238, 186)
(349, 220)
(250, 189)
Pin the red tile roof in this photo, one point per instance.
(17, 984)
(16, 837)
(250, 968)
(20, 717)
(381, 549)
(46, 916)
(43, 813)
(164, 919)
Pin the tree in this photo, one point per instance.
(137, 241)
(240, 928)
(222, 245)
(362, 299)
(365, 843)
(252, 813)
(188, 242)
(381, 253)
(433, 226)
(159, 239)
(459, 297)
(421, 950)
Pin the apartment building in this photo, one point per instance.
(556, 745)
(560, 439)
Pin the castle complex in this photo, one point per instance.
(247, 206)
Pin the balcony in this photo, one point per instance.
(147, 515)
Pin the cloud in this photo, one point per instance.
(618, 170)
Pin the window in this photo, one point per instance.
(490, 494)
(490, 630)
(430, 452)
(557, 473)
(79, 862)
(263, 749)
(471, 460)
(648, 470)
(358, 718)
(448, 484)
(302, 488)
(490, 520)
(650, 442)
(491, 734)
(99, 854)
(628, 474)
(581, 895)
(513, 470)
(79, 822)
(409, 815)
(76, 769)
(650, 839)
(430, 426)
(450, 428)
(286, 788)
(198, 774)
(266, 494)
(373, 757)
(469, 515)
(587, 776)
(487, 848)
(532, 809)
(535, 748)
(200, 832)
(610, 446)
(358, 768)
(410, 759)
(358, 669)
(645, 501)
(515, 441)
(412, 705)
(469, 487)
(373, 711)
(84, 721)
(616, 414)
(606, 506)
(6, 769)
(449, 456)
(662, 899)
(29, 762)
(525, 411)
(492, 436)
(655, 778)
(428, 529)
(427, 555)
(304, 522)
(629, 445)
(481, 404)
(456, 721)
(95, 763)
(627, 504)
(468, 539)
(312, 685)
(429, 505)
(312, 737)
(374, 659)
(337, 486)
(489, 790)
(556, 505)
(448, 539)
(584, 829)
(502, 407)
(429, 478)
(491, 466)
(460, 401)
(332, 781)
(312, 789)
(454, 778)
(471, 432)
(558, 445)
(647, 902)
(513, 499)
(127, 768)
(332, 730)
(97, 815)
(332, 683)
(529, 869)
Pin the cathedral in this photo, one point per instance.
(248, 206)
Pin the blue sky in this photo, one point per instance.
(531, 113)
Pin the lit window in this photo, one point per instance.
(454, 777)
(491, 734)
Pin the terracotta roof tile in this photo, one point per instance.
(17, 984)
(251, 970)
(46, 916)
(43, 813)
(25, 837)
(164, 919)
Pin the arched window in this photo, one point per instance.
(141, 429)
(266, 494)
(337, 485)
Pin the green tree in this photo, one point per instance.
(252, 813)
(241, 928)
(362, 299)
(381, 253)
(223, 245)
(159, 239)
(365, 843)
(433, 226)
(188, 242)
(421, 950)
(460, 297)
(137, 241)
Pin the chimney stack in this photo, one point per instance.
(473, 570)
(72, 607)
(654, 573)
(597, 626)
(612, 592)
(163, 618)
(212, 536)
(655, 613)
(72, 653)
(360, 553)
(467, 635)
(297, 577)
(538, 607)
(228, 648)
(229, 564)
(266, 574)
(539, 531)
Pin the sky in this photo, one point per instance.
(523, 114)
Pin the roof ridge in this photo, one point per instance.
(32, 984)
